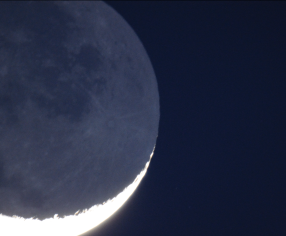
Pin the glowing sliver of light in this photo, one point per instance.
(72, 225)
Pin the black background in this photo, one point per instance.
(219, 164)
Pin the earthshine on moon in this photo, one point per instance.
(79, 116)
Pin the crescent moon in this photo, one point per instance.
(72, 225)
(79, 116)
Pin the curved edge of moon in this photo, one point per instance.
(72, 225)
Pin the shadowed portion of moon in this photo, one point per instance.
(79, 107)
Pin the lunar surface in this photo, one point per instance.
(79, 115)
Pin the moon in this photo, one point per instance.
(79, 116)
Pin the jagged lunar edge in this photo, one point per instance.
(72, 225)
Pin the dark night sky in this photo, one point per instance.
(219, 165)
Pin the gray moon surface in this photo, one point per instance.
(79, 107)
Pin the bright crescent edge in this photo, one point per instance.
(72, 225)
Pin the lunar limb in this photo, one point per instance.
(72, 225)
(79, 115)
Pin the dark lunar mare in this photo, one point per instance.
(48, 34)
(79, 107)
